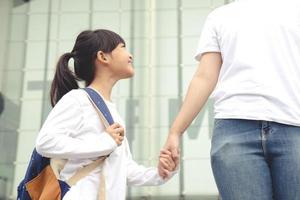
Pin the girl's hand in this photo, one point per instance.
(116, 131)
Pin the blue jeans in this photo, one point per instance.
(256, 160)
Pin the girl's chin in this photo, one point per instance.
(131, 73)
(128, 75)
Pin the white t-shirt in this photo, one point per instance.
(74, 131)
(259, 41)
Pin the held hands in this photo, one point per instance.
(116, 131)
(169, 156)
(166, 164)
(172, 145)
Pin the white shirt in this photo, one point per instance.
(73, 131)
(259, 41)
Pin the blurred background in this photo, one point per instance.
(162, 35)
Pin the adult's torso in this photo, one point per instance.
(260, 45)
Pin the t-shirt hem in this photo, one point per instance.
(259, 118)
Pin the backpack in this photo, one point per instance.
(41, 181)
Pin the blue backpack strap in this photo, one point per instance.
(100, 103)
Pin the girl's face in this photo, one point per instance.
(121, 62)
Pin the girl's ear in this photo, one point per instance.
(102, 57)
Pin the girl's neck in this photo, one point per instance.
(103, 87)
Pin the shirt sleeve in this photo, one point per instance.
(139, 175)
(208, 41)
(58, 135)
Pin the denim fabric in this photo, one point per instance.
(256, 160)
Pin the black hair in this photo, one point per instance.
(84, 53)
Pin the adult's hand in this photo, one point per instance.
(166, 164)
(172, 145)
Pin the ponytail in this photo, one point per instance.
(64, 79)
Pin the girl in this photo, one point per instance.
(74, 131)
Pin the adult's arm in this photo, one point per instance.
(200, 88)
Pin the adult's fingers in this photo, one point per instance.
(165, 156)
(165, 151)
(165, 164)
(169, 161)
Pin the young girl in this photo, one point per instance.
(74, 131)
